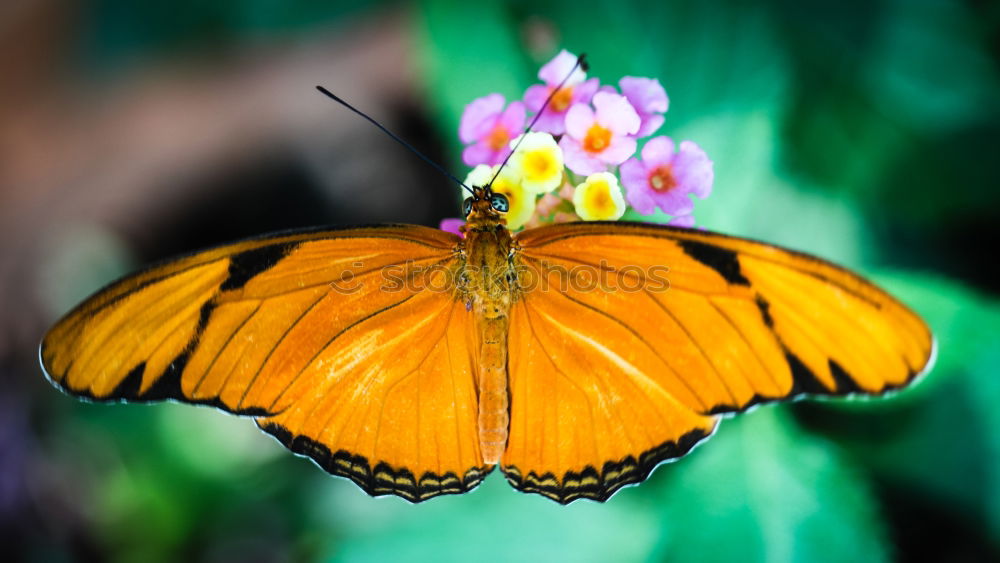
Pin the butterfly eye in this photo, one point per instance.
(500, 203)
(467, 206)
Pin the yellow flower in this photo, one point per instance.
(508, 183)
(539, 162)
(599, 198)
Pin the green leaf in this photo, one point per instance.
(494, 523)
(762, 490)
(893, 106)
(710, 60)
(940, 437)
(466, 51)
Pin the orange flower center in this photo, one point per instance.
(562, 99)
(598, 138)
(498, 137)
(662, 179)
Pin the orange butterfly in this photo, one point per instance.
(576, 356)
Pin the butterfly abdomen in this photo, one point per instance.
(493, 405)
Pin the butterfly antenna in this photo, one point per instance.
(581, 62)
(394, 136)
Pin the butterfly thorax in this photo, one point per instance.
(488, 285)
(486, 277)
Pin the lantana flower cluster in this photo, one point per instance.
(582, 151)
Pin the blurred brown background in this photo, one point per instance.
(183, 149)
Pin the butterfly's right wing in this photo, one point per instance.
(629, 338)
(347, 345)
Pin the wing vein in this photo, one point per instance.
(293, 379)
(284, 334)
(355, 277)
(558, 369)
(674, 234)
(863, 353)
(808, 331)
(604, 382)
(642, 339)
(391, 388)
(454, 398)
(229, 339)
(749, 346)
(697, 345)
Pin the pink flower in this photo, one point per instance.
(682, 221)
(490, 127)
(451, 225)
(595, 139)
(648, 98)
(577, 89)
(664, 178)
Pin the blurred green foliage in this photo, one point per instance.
(865, 132)
(119, 33)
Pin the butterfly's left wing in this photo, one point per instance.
(347, 345)
(628, 338)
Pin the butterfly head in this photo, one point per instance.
(485, 206)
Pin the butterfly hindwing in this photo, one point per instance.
(644, 332)
(347, 345)
(587, 416)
